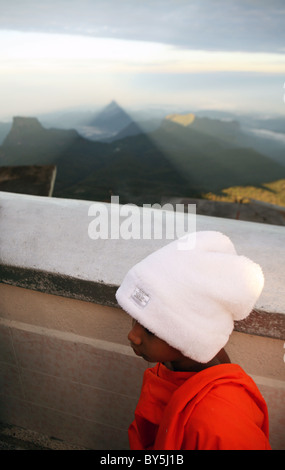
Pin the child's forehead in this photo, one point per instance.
(135, 322)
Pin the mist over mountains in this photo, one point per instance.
(145, 158)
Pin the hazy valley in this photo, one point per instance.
(148, 156)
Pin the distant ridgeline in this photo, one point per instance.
(186, 156)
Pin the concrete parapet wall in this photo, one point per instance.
(66, 369)
(77, 389)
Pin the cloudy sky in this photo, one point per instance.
(190, 54)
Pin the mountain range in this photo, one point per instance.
(180, 155)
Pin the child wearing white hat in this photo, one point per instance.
(184, 303)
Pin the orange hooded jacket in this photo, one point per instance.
(219, 408)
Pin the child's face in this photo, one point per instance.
(150, 347)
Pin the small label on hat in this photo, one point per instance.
(140, 297)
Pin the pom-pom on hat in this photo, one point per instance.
(191, 297)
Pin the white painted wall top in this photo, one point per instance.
(51, 235)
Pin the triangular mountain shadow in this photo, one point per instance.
(113, 118)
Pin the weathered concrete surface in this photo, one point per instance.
(16, 438)
(37, 180)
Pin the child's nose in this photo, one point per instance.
(134, 335)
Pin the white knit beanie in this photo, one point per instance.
(191, 298)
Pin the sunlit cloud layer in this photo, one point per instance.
(33, 51)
